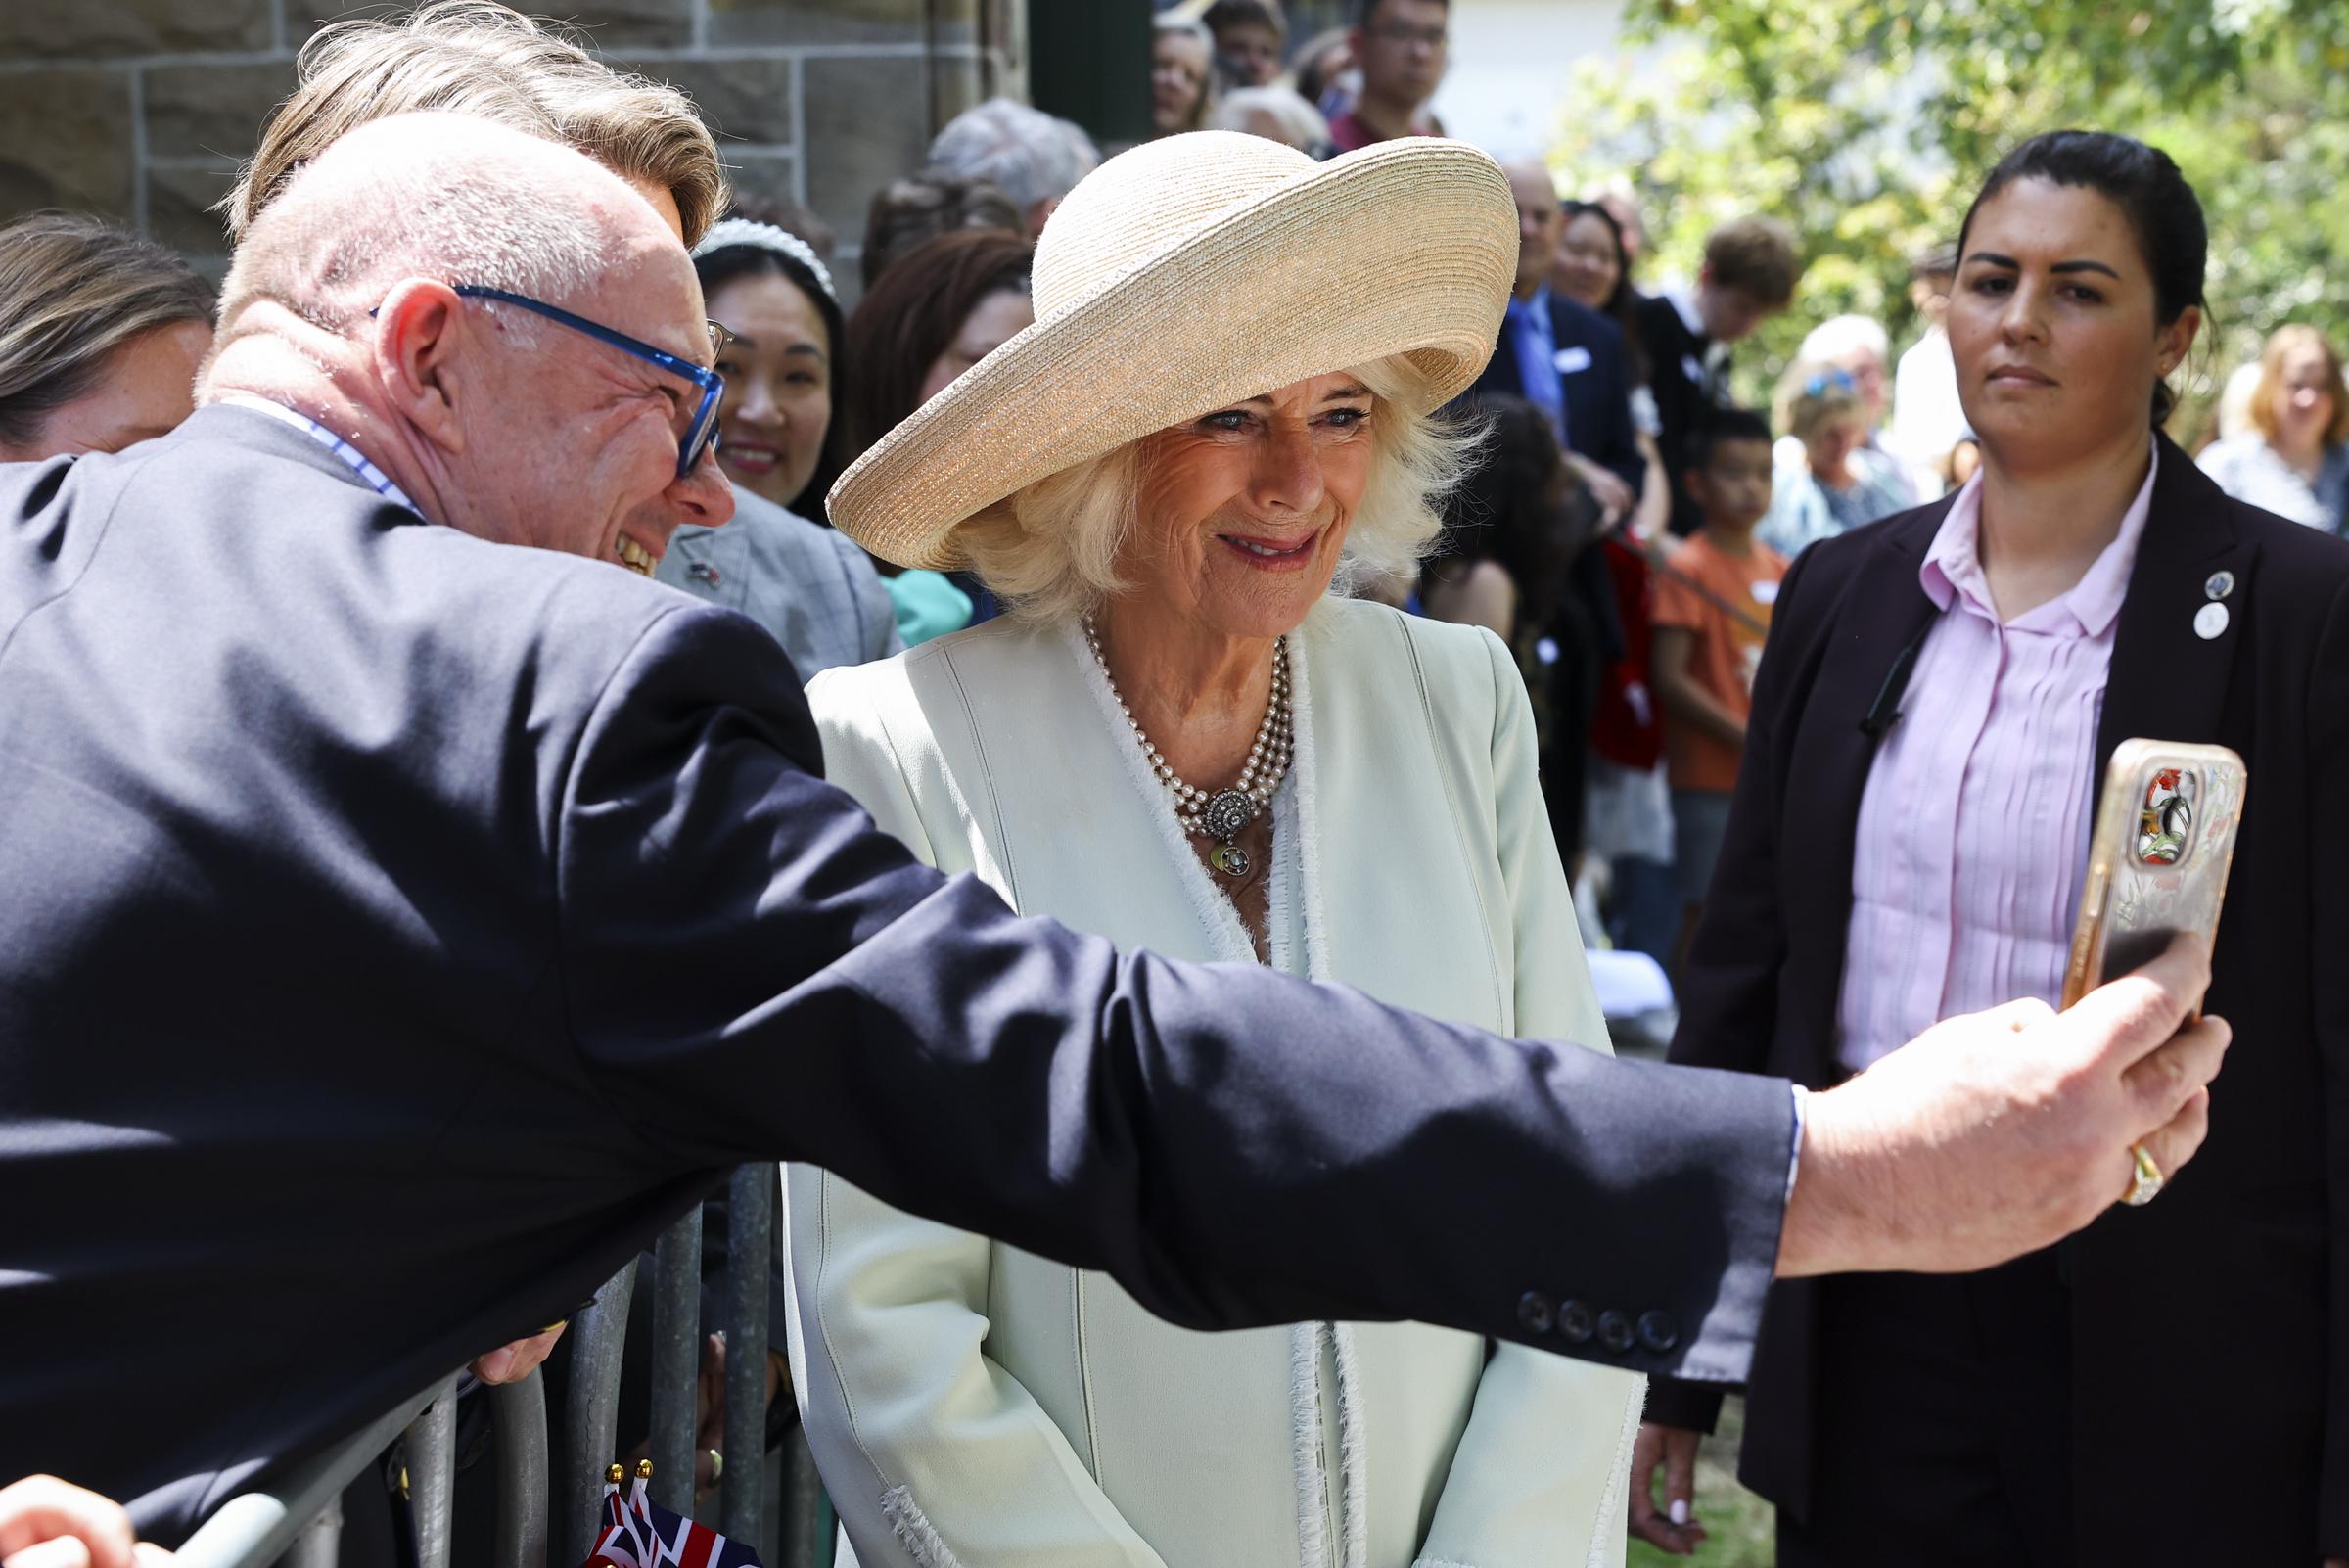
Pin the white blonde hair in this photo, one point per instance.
(1050, 551)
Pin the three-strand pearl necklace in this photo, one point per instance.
(1221, 815)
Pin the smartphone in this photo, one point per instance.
(2157, 862)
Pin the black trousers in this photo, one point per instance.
(1942, 1431)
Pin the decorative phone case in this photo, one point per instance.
(2157, 862)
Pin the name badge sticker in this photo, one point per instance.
(1573, 359)
(1766, 592)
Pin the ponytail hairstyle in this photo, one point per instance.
(2145, 184)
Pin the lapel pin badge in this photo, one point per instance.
(2210, 620)
(2221, 584)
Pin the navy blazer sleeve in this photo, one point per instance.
(1234, 1148)
(1599, 398)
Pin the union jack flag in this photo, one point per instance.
(638, 1533)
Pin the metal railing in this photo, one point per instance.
(296, 1522)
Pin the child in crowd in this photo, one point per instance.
(1712, 613)
(1829, 479)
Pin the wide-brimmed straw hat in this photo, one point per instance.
(1186, 275)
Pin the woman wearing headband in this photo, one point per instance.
(1180, 737)
(780, 352)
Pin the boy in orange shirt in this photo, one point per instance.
(1712, 613)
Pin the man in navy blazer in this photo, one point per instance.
(1562, 355)
(401, 926)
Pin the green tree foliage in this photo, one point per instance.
(1868, 124)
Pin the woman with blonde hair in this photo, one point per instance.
(1182, 737)
(2294, 459)
(1182, 75)
(101, 333)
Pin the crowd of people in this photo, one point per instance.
(1293, 561)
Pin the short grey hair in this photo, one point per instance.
(1031, 155)
(1049, 551)
(1301, 124)
(1834, 341)
(436, 196)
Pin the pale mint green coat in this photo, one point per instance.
(972, 1405)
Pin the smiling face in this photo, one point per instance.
(1179, 63)
(996, 319)
(1243, 513)
(778, 370)
(571, 444)
(143, 389)
(2052, 326)
(1587, 267)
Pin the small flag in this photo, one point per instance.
(638, 1533)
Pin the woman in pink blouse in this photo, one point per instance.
(1939, 697)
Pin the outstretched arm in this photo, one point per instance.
(849, 1008)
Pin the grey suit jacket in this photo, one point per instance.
(807, 584)
(401, 928)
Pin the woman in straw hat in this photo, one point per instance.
(1179, 738)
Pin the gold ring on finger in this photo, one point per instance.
(2149, 1179)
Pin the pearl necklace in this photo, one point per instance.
(1222, 813)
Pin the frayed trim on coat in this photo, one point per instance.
(1304, 771)
(1438, 1562)
(1354, 1448)
(913, 1530)
(1305, 1444)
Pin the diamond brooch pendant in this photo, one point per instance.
(1225, 813)
(1228, 858)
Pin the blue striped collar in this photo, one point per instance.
(374, 477)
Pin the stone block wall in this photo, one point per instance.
(142, 108)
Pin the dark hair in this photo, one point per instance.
(1618, 306)
(1245, 14)
(2145, 184)
(905, 213)
(1723, 426)
(913, 314)
(733, 262)
(1503, 511)
(791, 217)
(1365, 11)
(72, 290)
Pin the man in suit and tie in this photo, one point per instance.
(403, 926)
(1564, 357)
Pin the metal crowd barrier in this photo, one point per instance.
(779, 1508)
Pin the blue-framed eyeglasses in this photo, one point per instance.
(1827, 381)
(700, 436)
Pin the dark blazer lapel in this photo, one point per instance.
(2167, 682)
(1884, 611)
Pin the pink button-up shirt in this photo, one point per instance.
(1972, 839)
